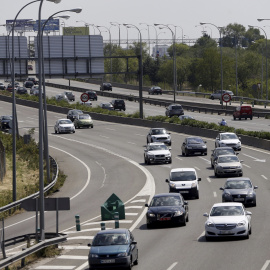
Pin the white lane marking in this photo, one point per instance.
(246, 165)
(205, 160)
(79, 192)
(103, 137)
(172, 266)
(86, 230)
(179, 158)
(82, 237)
(134, 207)
(111, 129)
(105, 175)
(74, 247)
(82, 266)
(264, 177)
(215, 194)
(72, 257)
(140, 135)
(208, 179)
(265, 265)
(131, 214)
(197, 168)
(121, 221)
(201, 235)
(131, 143)
(141, 200)
(51, 267)
(255, 159)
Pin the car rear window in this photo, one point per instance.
(177, 107)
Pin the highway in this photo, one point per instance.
(109, 158)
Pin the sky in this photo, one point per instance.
(186, 15)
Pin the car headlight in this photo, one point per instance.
(151, 215)
(238, 144)
(168, 155)
(173, 185)
(241, 223)
(189, 147)
(250, 194)
(122, 254)
(238, 167)
(204, 146)
(169, 137)
(178, 213)
(193, 185)
(210, 224)
(93, 255)
(227, 194)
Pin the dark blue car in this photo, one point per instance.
(113, 249)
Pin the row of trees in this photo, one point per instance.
(243, 58)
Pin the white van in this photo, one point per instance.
(185, 181)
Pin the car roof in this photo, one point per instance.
(120, 230)
(157, 128)
(227, 204)
(183, 170)
(167, 195)
(238, 179)
(227, 133)
(156, 143)
(224, 147)
(63, 119)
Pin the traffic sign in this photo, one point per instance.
(226, 97)
(84, 97)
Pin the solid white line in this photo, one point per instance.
(86, 230)
(103, 137)
(111, 129)
(82, 266)
(110, 221)
(134, 207)
(208, 179)
(265, 265)
(73, 247)
(83, 237)
(197, 168)
(201, 235)
(70, 257)
(264, 177)
(131, 214)
(105, 175)
(141, 200)
(205, 160)
(49, 267)
(246, 165)
(172, 266)
(140, 135)
(179, 158)
(215, 194)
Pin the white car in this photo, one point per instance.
(229, 139)
(219, 93)
(184, 181)
(64, 126)
(32, 90)
(60, 97)
(157, 153)
(159, 135)
(88, 103)
(228, 220)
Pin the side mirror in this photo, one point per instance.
(221, 188)
(170, 148)
(255, 187)
(205, 215)
(205, 141)
(199, 179)
(89, 245)
(239, 138)
(248, 213)
(146, 205)
(167, 181)
(134, 243)
(241, 161)
(185, 203)
(237, 153)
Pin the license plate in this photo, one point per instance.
(225, 232)
(108, 261)
(183, 191)
(165, 218)
(239, 199)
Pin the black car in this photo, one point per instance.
(174, 109)
(118, 104)
(6, 122)
(194, 145)
(106, 86)
(28, 84)
(155, 90)
(221, 151)
(32, 79)
(92, 95)
(73, 114)
(240, 190)
(167, 207)
(70, 95)
(9, 87)
(21, 90)
(115, 248)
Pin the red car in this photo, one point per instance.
(243, 112)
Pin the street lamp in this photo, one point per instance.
(265, 53)
(148, 25)
(157, 50)
(118, 25)
(41, 178)
(108, 29)
(175, 26)
(220, 45)
(188, 39)
(174, 60)
(140, 68)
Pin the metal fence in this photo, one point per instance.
(2, 161)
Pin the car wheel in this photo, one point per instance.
(251, 118)
(247, 236)
(92, 126)
(55, 131)
(250, 231)
(184, 223)
(207, 238)
(149, 226)
(255, 204)
(183, 153)
(197, 195)
(136, 262)
(187, 219)
(130, 264)
(145, 161)
(170, 162)
(170, 143)
(212, 165)
(234, 118)
(216, 175)
(74, 131)
(212, 98)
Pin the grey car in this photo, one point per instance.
(228, 165)
(174, 109)
(159, 135)
(69, 95)
(239, 190)
(221, 151)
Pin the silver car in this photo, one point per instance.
(159, 135)
(228, 165)
(64, 126)
(157, 153)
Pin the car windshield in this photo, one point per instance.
(221, 152)
(107, 239)
(228, 159)
(6, 118)
(227, 211)
(238, 184)
(157, 147)
(177, 107)
(183, 176)
(158, 131)
(65, 121)
(194, 140)
(84, 116)
(165, 201)
(107, 105)
(228, 136)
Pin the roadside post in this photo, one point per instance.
(84, 97)
(78, 225)
(102, 225)
(226, 98)
(116, 220)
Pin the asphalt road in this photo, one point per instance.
(109, 158)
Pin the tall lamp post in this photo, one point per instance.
(175, 26)
(148, 25)
(157, 50)
(220, 45)
(118, 25)
(140, 68)
(174, 60)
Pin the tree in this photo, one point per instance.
(231, 33)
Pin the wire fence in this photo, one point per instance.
(2, 161)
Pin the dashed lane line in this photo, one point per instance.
(58, 267)
(141, 200)
(208, 179)
(265, 265)
(172, 266)
(246, 165)
(197, 168)
(72, 257)
(215, 194)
